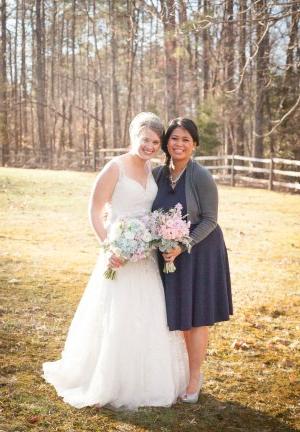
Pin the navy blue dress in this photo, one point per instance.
(198, 293)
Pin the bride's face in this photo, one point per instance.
(146, 144)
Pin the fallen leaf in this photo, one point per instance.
(293, 378)
(238, 344)
(286, 363)
(257, 325)
(277, 313)
(33, 419)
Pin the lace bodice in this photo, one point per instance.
(130, 198)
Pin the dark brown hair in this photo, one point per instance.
(184, 123)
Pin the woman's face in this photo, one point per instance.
(146, 144)
(180, 145)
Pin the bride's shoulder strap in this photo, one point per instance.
(118, 161)
(149, 166)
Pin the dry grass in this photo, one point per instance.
(47, 254)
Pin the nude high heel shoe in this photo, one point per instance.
(193, 397)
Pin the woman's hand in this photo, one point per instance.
(171, 254)
(115, 262)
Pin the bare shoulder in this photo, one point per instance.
(111, 167)
(109, 174)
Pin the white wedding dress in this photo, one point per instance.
(119, 351)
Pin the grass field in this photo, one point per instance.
(47, 253)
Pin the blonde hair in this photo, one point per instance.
(148, 120)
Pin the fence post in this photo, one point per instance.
(271, 173)
(232, 182)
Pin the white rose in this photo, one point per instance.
(146, 236)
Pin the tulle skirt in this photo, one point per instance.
(119, 350)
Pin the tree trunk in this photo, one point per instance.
(24, 95)
(53, 49)
(142, 60)
(73, 49)
(241, 135)
(33, 83)
(4, 139)
(206, 57)
(134, 13)
(261, 40)
(40, 83)
(169, 24)
(229, 47)
(16, 130)
(62, 137)
(96, 127)
(115, 114)
(100, 82)
(183, 46)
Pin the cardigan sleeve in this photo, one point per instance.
(205, 189)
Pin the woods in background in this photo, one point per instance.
(74, 72)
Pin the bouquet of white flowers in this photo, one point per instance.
(129, 239)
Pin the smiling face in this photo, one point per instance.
(180, 145)
(146, 143)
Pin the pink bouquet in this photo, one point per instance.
(169, 229)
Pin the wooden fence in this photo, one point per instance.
(271, 173)
(235, 169)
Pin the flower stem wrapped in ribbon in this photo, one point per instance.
(169, 229)
(128, 239)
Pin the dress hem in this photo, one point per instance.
(209, 324)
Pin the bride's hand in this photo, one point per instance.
(114, 261)
(171, 254)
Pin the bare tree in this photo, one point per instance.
(133, 24)
(169, 23)
(261, 41)
(206, 52)
(40, 80)
(3, 89)
(115, 113)
(241, 105)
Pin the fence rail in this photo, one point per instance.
(269, 176)
(234, 169)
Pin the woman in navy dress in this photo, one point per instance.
(198, 293)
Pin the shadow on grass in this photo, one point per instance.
(209, 415)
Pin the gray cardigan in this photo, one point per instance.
(201, 198)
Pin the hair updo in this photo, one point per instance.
(183, 123)
(148, 120)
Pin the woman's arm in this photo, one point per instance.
(206, 192)
(101, 194)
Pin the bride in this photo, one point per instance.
(119, 351)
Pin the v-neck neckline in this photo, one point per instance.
(137, 182)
